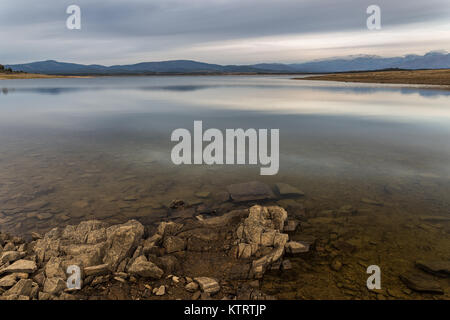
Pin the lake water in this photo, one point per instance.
(372, 160)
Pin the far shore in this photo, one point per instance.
(21, 75)
(439, 77)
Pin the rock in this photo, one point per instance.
(160, 291)
(8, 281)
(177, 204)
(25, 266)
(371, 202)
(9, 256)
(336, 264)
(35, 236)
(208, 285)
(296, 247)
(97, 270)
(43, 296)
(438, 268)
(174, 244)
(54, 268)
(9, 247)
(286, 190)
(250, 191)
(435, 219)
(286, 265)
(122, 241)
(203, 194)
(146, 269)
(221, 197)
(196, 295)
(168, 228)
(290, 226)
(22, 287)
(191, 287)
(168, 263)
(54, 286)
(421, 283)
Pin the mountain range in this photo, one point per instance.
(431, 60)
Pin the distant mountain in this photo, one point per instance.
(431, 60)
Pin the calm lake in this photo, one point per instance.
(372, 160)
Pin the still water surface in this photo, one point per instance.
(76, 149)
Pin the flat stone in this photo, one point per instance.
(203, 194)
(286, 190)
(97, 270)
(438, 268)
(421, 283)
(296, 247)
(250, 191)
(25, 266)
(208, 285)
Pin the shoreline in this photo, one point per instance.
(431, 79)
(13, 76)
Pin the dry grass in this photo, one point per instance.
(426, 77)
(6, 76)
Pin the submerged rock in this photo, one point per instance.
(250, 191)
(438, 268)
(421, 283)
(287, 190)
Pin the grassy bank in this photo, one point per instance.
(422, 77)
(6, 76)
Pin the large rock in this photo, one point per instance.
(25, 266)
(146, 269)
(122, 241)
(208, 285)
(250, 191)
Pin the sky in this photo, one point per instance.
(218, 31)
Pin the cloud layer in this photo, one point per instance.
(218, 31)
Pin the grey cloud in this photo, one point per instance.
(159, 25)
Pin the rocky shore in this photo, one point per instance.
(198, 255)
(219, 257)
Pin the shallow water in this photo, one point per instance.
(76, 149)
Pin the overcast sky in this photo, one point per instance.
(218, 31)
